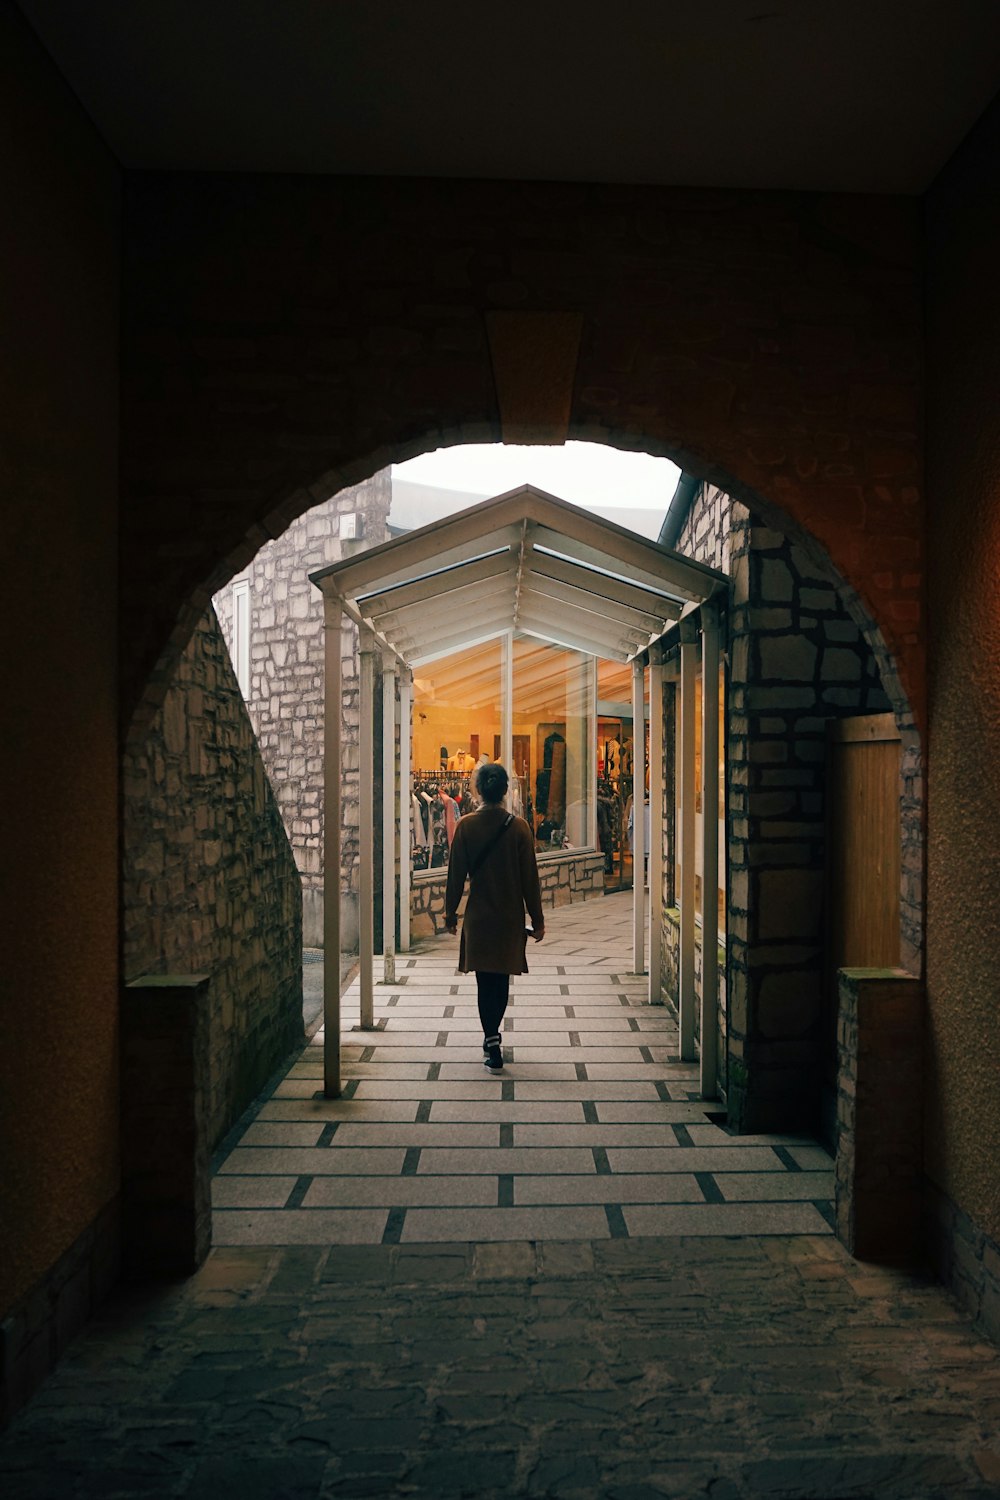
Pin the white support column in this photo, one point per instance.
(689, 668)
(366, 842)
(507, 705)
(710, 848)
(390, 826)
(638, 818)
(405, 809)
(332, 712)
(655, 829)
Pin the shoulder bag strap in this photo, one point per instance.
(474, 869)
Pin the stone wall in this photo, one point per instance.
(796, 660)
(564, 879)
(209, 883)
(286, 694)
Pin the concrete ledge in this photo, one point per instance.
(879, 1125)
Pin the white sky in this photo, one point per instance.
(584, 473)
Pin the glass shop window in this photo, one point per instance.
(456, 723)
(721, 897)
(552, 738)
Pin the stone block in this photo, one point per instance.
(788, 1004)
(788, 658)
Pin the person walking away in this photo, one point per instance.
(495, 851)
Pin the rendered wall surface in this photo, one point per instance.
(287, 336)
(963, 867)
(59, 277)
(210, 884)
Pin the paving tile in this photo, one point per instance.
(479, 1086)
(612, 1112)
(663, 1187)
(507, 1159)
(532, 1054)
(595, 1135)
(281, 1135)
(725, 1219)
(624, 1070)
(591, 1091)
(415, 1135)
(746, 1187)
(506, 1111)
(345, 1226)
(276, 1160)
(811, 1158)
(694, 1159)
(251, 1192)
(711, 1135)
(390, 1111)
(481, 1224)
(392, 1192)
(519, 1070)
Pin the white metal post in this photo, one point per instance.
(689, 668)
(507, 705)
(655, 830)
(390, 827)
(405, 807)
(366, 842)
(710, 849)
(332, 711)
(638, 818)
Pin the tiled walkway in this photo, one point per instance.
(593, 1131)
(665, 1365)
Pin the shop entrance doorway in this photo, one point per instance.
(614, 800)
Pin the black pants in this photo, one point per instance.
(493, 992)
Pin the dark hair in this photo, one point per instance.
(492, 782)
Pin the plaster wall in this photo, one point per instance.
(963, 866)
(59, 306)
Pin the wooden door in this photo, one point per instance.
(862, 864)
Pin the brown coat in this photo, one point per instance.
(499, 893)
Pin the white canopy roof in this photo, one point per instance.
(524, 561)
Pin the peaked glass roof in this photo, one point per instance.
(524, 561)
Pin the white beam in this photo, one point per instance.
(448, 605)
(630, 558)
(405, 806)
(686, 1002)
(710, 850)
(592, 614)
(656, 832)
(600, 586)
(507, 703)
(387, 601)
(423, 552)
(332, 712)
(366, 842)
(638, 818)
(554, 634)
(390, 825)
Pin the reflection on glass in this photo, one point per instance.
(456, 724)
(553, 714)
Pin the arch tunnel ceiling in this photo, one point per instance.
(859, 96)
(525, 561)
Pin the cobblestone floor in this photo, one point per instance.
(594, 1131)
(626, 1366)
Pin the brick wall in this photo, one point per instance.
(286, 694)
(209, 882)
(288, 336)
